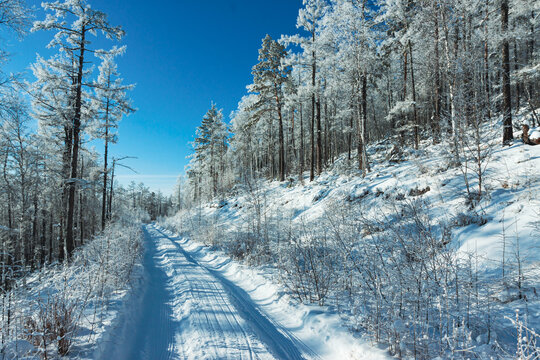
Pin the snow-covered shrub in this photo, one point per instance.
(528, 341)
(470, 217)
(242, 245)
(307, 264)
(48, 309)
(51, 321)
(404, 278)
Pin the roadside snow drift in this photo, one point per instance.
(197, 304)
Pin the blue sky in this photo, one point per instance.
(182, 55)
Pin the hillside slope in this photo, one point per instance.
(363, 245)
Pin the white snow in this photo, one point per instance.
(502, 227)
(198, 304)
(94, 287)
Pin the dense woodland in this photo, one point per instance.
(376, 83)
(55, 191)
(406, 74)
(365, 72)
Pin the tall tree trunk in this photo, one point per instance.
(313, 74)
(415, 113)
(450, 73)
(319, 138)
(66, 159)
(436, 122)
(51, 237)
(351, 121)
(302, 156)
(81, 209)
(43, 240)
(292, 147)
(70, 241)
(109, 204)
(486, 62)
(105, 168)
(326, 135)
(9, 211)
(404, 95)
(508, 134)
(35, 225)
(281, 140)
(516, 68)
(362, 127)
(531, 57)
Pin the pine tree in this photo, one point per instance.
(269, 78)
(210, 146)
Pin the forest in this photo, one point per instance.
(57, 193)
(364, 162)
(381, 166)
(366, 72)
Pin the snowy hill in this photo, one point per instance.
(407, 255)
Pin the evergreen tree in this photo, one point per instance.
(210, 146)
(269, 78)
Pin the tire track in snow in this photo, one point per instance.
(229, 300)
(213, 327)
(186, 310)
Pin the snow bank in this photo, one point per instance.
(320, 329)
(64, 310)
(488, 231)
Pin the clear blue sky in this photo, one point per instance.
(182, 55)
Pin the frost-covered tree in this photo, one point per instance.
(349, 30)
(112, 103)
(244, 143)
(20, 163)
(269, 78)
(73, 42)
(210, 145)
(309, 18)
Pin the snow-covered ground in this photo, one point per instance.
(66, 309)
(498, 235)
(195, 303)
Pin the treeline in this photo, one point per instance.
(56, 192)
(361, 72)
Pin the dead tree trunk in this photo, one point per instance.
(508, 134)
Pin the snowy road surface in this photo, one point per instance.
(189, 307)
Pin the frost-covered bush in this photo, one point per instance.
(307, 264)
(49, 308)
(50, 321)
(528, 341)
(391, 270)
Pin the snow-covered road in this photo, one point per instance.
(194, 303)
(190, 311)
(146, 326)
